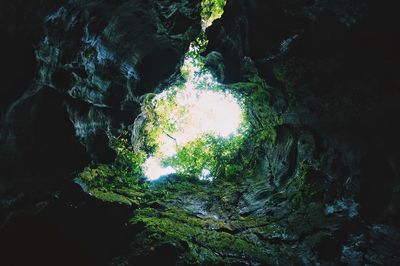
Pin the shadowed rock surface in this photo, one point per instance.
(74, 70)
(71, 70)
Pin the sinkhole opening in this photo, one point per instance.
(191, 128)
(196, 126)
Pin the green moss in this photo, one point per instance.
(208, 238)
(117, 182)
(200, 239)
(262, 121)
(212, 231)
(110, 196)
(262, 118)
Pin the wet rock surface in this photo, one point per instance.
(326, 189)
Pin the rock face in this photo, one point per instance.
(326, 189)
(70, 71)
(86, 65)
(330, 69)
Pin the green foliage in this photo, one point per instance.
(164, 106)
(105, 181)
(127, 158)
(158, 121)
(209, 152)
(205, 239)
(232, 157)
(208, 238)
(193, 67)
(212, 10)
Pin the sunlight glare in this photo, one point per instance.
(200, 112)
(154, 169)
(197, 112)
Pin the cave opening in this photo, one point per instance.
(196, 122)
(145, 136)
(192, 124)
(207, 140)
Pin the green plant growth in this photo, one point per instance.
(210, 153)
(211, 10)
(117, 182)
(194, 237)
(209, 238)
(169, 132)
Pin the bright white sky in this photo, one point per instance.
(205, 112)
(153, 169)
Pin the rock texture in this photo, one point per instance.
(326, 186)
(81, 72)
(330, 68)
(70, 71)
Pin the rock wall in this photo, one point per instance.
(325, 190)
(76, 69)
(70, 71)
(331, 72)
